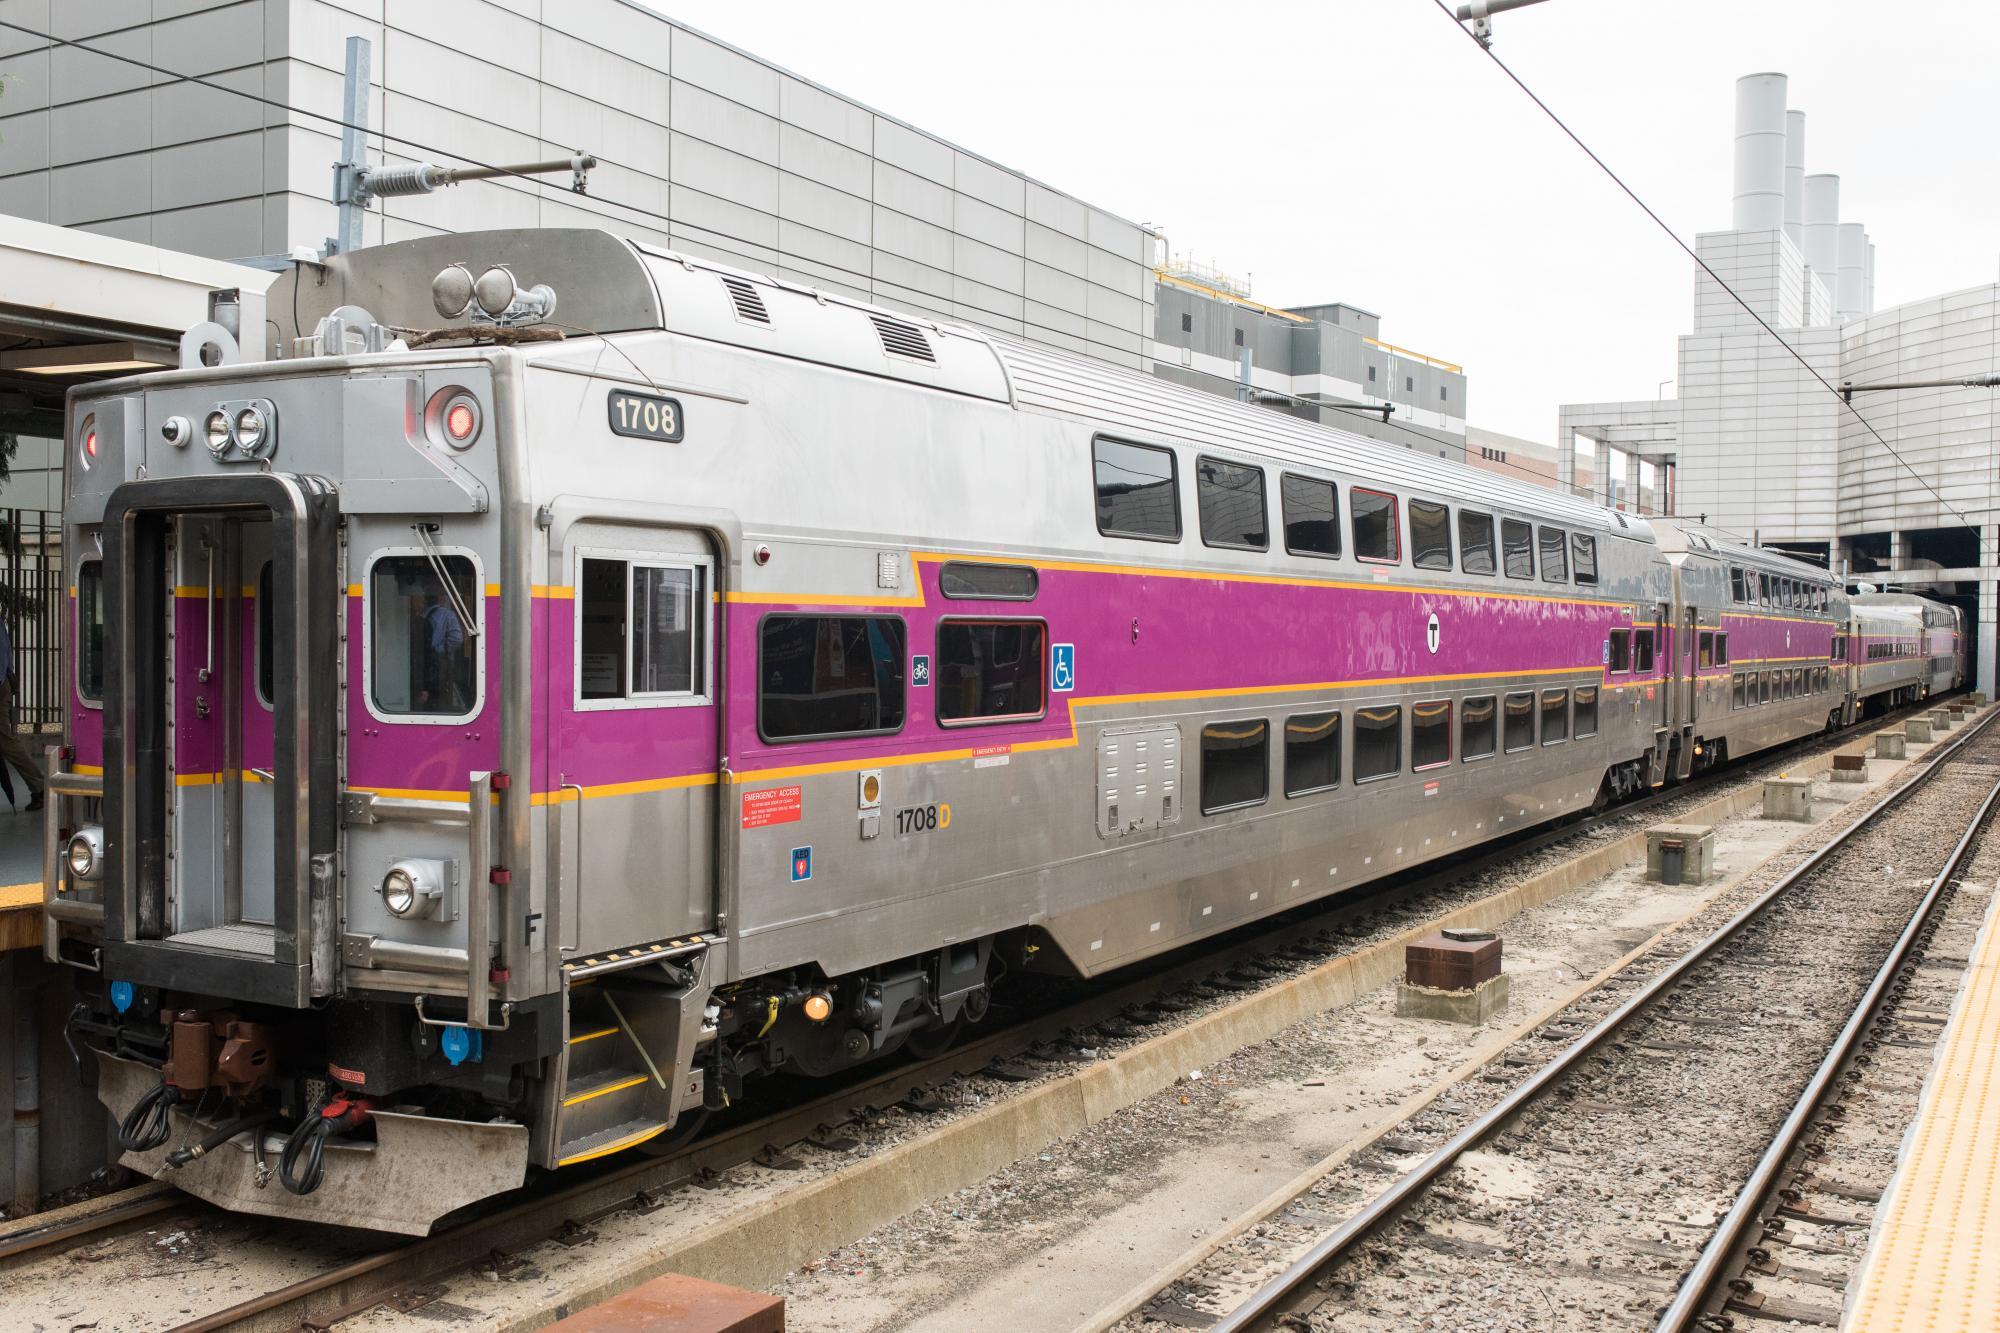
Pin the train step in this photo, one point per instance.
(610, 1139)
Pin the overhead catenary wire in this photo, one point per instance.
(1675, 237)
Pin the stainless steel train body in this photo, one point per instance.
(489, 756)
(1904, 648)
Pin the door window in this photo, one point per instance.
(642, 632)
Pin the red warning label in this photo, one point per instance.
(773, 805)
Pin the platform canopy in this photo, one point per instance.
(76, 306)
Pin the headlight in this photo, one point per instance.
(399, 891)
(85, 854)
(249, 430)
(216, 430)
(415, 887)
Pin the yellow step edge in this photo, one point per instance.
(632, 1141)
(607, 1089)
(580, 1037)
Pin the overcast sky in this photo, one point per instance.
(1365, 151)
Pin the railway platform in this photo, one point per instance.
(1933, 1263)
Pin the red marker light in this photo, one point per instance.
(90, 444)
(460, 422)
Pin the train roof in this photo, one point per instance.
(607, 285)
(1678, 536)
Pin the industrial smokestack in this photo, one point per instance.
(1823, 233)
(1795, 177)
(1760, 153)
(1852, 300)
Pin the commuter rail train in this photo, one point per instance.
(490, 749)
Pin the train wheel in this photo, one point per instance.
(680, 1136)
(932, 1042)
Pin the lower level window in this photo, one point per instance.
(1312, 753)
(1520, 722)
(829, 676)
(1235, 764)
(1430, 734)
(1736, 690)
(989, 669)
(1478, 728)
(1378, 743)
(1555, 716)
(424, 635)
(1585, 716)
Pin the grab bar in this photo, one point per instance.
(208, 669)
(479, 903)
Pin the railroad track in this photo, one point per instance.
(1596, 1189)
(1101, 1017)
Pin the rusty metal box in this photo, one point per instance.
(1439, 963)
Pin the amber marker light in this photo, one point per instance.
(819, 1006)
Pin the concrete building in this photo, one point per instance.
(1760, 445)
(1511, 456)
(1332, 354)
(701, 147)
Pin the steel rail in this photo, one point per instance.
(364, 1282)
(1266, 1301)
(1698, 1286)
(141, 1202)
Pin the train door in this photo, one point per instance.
(220, 699)
(632, 742)
(1689, 665)
(1663, 630)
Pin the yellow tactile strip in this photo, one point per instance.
(1934, 1263)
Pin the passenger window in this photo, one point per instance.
(1736, 690)
(1764, 590)
(1378, 743)
(1478, 728)
(1312, 753)
(1520, 722)
(1312, 525)
(424, 636)
(989, 669)
(1231, 498)
(1736, 583)
(1764, 686)
(1555, 558)
(1235, 765)
(1555, 716)
(1138, 494)
(1430, 734)
(266, 639)
(1618, 652)
(1430, 535)
(829, 676)
(642, 631)
(1705, 657)
(1517, 544)
(1583, 557)
(1722, 649)
(1642, 651)
(1374, 517)
(90, 631)
(1586, 711)
(989, 583)
(1475, 543)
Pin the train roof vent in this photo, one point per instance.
(749, 305)
(900, 338)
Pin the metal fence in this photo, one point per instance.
(34, 601)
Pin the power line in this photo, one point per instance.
(1674, 236)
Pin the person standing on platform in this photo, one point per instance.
(14, 750)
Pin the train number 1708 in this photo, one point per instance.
(923, 818)
(645, 417)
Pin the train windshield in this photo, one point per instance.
(423, 635)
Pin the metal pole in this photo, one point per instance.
(348, 171)
(1243, 376)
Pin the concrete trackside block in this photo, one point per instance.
(677, 1303)
(1696, 848)
(1891, 745)
(1942, 720)
(1978, 699)
(1850, 768)
(1918, 731)
(1470, 1007)
(1788, 798)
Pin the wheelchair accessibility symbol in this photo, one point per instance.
(1062, 668)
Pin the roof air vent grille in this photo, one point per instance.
(749, 305)
(903, 339)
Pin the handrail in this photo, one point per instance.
(479, 902)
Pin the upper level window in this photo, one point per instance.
(1231, 499)
(1475, 542)
(90, 631)
(989, 583)
(1430, 535)
(1138, 494)
(1517, 544)
(424, 636)
(642, 631)
(1736, 583)
(1583, 557)
(988, 669)
(829, 676)
(1375, 530)
(1555, 555)
(1312, 518)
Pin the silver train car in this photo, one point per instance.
(490, 749)
(1905, 648)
